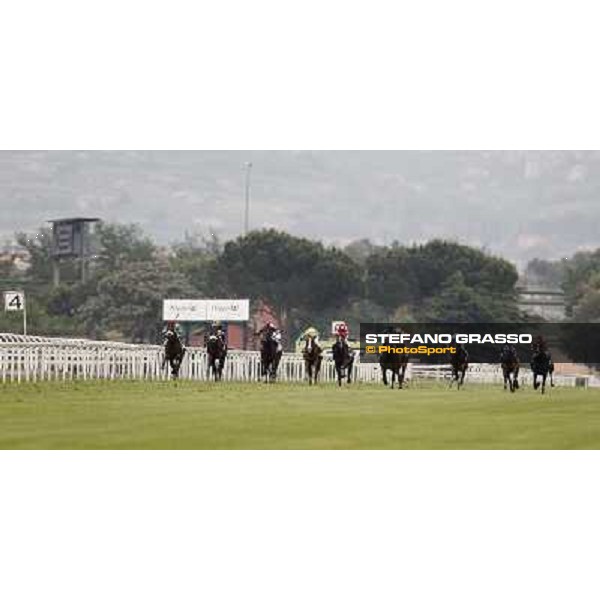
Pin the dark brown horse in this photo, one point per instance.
(216, 350)
(396, 363)
(174, 353)
(271, 351)
(459, 363)
(509, 361)
(541, 364)
(343, 357)
(313, 357)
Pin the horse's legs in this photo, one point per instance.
(508, 381)
(263, 371)
(384, 375)
(401, 376)
(513, 380)
(349, 369)
(274, 367)
(455, 377)
(536, 385)
(516, 378)
(462, 377)
(544, 382)
(174, 367)
(309, 371)
(318, 367)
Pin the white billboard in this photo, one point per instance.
(206, 310)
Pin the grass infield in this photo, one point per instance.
(167, 415)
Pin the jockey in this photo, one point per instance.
(313, 333)
(539, 344)
(217, 329)
(171, 328)
(508, 351)
(462, 352)
(342, 332)
(269, 328)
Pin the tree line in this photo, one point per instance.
(305, 281)
(578, 277)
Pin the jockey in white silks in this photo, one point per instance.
(274, 332)
(170, 328)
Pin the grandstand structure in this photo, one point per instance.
(36, 358)
(542, 302)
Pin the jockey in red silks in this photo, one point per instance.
(342, 331)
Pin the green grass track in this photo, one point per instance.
(167, 415)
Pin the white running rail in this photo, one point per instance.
(35, 358)
(30, 358)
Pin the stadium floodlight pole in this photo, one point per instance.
(248, 167)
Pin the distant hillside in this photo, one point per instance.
(521, 205)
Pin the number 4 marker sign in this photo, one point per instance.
(16, 301)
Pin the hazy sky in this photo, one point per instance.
(518, 204)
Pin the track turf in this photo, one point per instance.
(165, 415)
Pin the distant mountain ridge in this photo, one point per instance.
(517, 204)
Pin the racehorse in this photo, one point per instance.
(174, 353)
(313, 357)
(343, 357)
(509, 361)
(217, 352)
(459, 363)
(396, 363)
(270, 355)
(541, 365)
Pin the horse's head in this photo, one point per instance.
(214, 344)
(508, 351)
(170, 337)
(311, 345)
(173, 345)
(461, 356)
(271, 341)
(341, 351)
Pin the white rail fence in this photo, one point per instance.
(30, 358)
